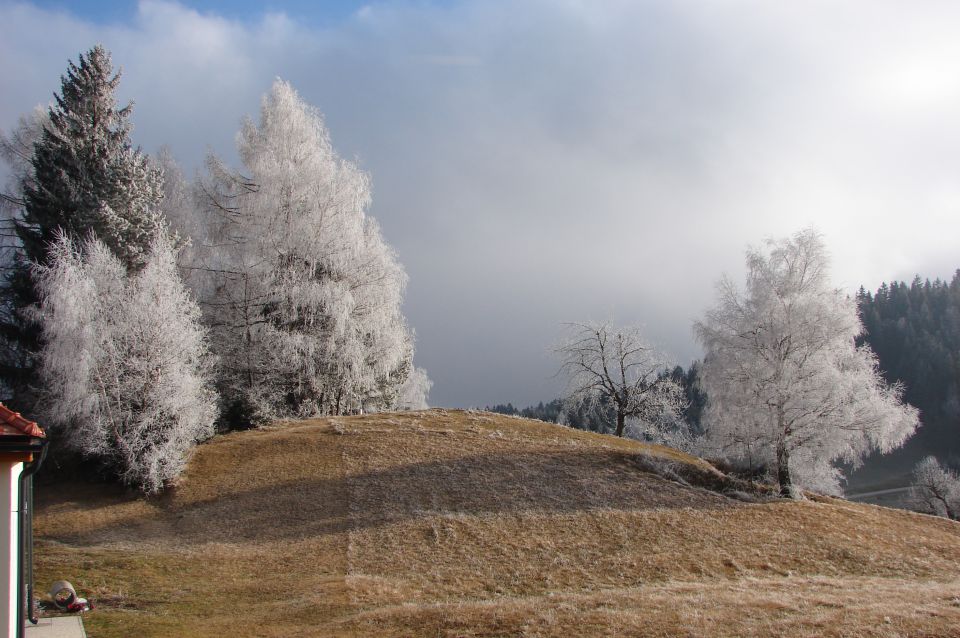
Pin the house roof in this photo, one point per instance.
(11, 423)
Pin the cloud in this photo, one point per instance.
(538, 162)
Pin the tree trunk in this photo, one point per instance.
(620, 420)
(951, 514)
(783, 469)
(783, 455)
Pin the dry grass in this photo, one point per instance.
(448, 523)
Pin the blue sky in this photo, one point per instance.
(541, 161)
(313, 13)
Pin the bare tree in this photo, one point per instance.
(935, 489)
(786, 383)
(605, 363)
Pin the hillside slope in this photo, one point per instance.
(458, 523)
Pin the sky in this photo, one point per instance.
(546, 161)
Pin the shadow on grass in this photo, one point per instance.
(488, 484)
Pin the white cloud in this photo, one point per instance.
(537, 162)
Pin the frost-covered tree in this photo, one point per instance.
(178, 205)
(787, 386)
(86, 174)
(935, 489)
(16, 151)
(415, 390)
(617, 367)
(78, 173)
(124, 366)
(16, 356)
(301, 289)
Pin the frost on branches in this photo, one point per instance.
(124, 366)
(16, 351)
(77, 172)
(935, 489)
(414, 391)
(85, 173)
(16, 151)
(787, 386)
(302, 291)
(617, 367)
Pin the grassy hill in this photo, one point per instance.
(450, 523)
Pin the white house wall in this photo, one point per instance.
(9, 484)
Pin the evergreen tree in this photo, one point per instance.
(86, 174)
(696, 398)
(84, 177)
(915, 331)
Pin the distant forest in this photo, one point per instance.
(913, 329)
(915, 332)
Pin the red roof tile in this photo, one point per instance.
(12, 423)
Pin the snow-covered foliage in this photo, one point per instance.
(86, 175)
(788, 387)
(77, 172)
(415, 390)
(671, 432)
(935, 489)
(124, 366)
(16, 356)
(615, 366)
(301, 289)
(16, 151)
(178, 205)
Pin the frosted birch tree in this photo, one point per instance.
(787, 386)
(604, 363)
(301, 290)
(124, 366)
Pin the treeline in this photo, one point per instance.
(141, 310)
(601, 416)
(549, 411)
(914, 329)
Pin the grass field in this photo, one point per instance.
(451, 523)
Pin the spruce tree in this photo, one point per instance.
(87, 175)
(85, 178)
